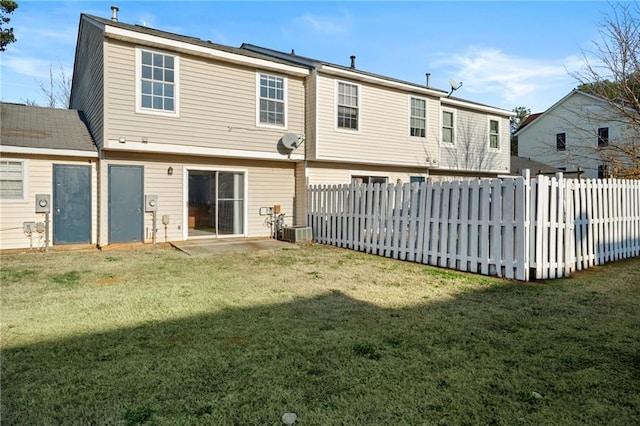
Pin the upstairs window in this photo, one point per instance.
(494, 134)
(271, 100)
(603, 136)
(348, 106)
(561, 141)
(447, 126)
(12, 180)
(157, 82)
(418, 119)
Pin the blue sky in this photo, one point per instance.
(506, 53)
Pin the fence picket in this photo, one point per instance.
(497, 227)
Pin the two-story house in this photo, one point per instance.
(574, 133)
(200, 140)
(370, 127)
(197, 124)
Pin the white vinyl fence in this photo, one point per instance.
(515, 228)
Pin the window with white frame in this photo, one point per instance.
(348, 106)
(448, 122)
(494, 134)
(271, 100)
(157, 82)
(12, 180)
(418, 118)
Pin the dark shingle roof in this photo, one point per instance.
(185, 39)
(43, 128)
(518, 164)
(310, 62)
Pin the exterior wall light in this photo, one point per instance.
(170, 171)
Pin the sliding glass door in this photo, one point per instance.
(216, 203)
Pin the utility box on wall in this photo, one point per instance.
(43, 203)
(297, 234)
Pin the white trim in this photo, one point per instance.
(25, 182)
(489, 120)
(285, 100)
(336, 95)
(454, 112)
(426, 114)
(426, 165)
(47, 151)
(176, 84)
(328, 69)
(185, 198)
(477, 107)
(158, 148)
(211, 52)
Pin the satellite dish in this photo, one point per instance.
(454, 86)
(290, 140)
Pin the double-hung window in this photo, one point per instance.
(272, 100)
(13, 180)
(494, 134)
(157, 82)
(348, 106)
(448, 122)
(418, 119)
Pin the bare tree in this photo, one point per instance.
(56, 91)
(612, 72)
(471, 153)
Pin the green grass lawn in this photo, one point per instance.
(335, 336)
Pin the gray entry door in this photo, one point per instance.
(71, 204)
(125, 203)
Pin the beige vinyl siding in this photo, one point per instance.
(39, 181)
(319, 173)
(471, 151)
(300, 212)
(88, 83)
(217, 105)
(311, 116)
(383, 127)
(269, 184)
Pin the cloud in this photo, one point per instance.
(32, 67)
(327, 25)
(513, 79)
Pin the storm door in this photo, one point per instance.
(216, 203)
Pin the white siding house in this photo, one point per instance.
(571, 133)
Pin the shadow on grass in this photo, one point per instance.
(500, 356)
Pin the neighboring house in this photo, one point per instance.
(46, 152)
(197, 124)
(570, 134)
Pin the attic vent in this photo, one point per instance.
(114, 13)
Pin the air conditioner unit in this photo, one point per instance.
(296, 234)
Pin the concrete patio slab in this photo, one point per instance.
(207, 247)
